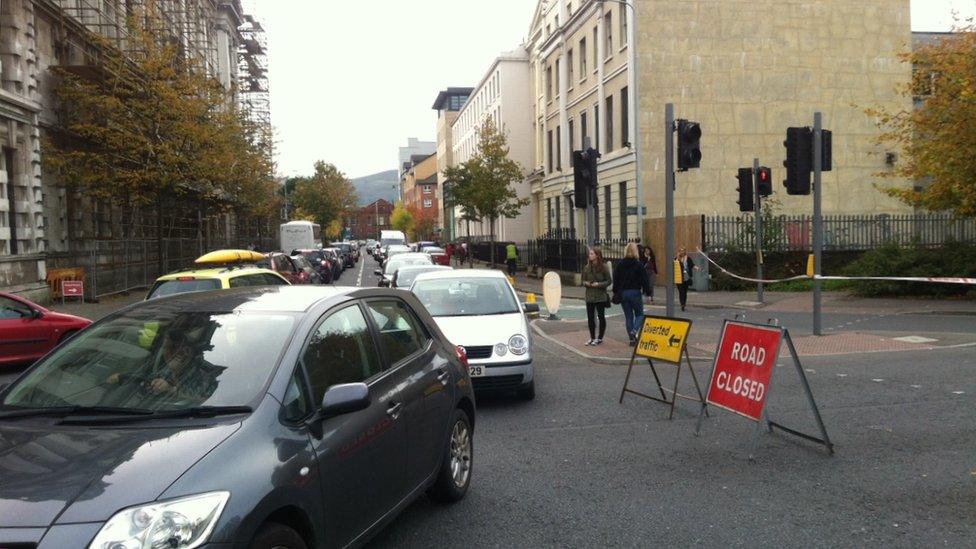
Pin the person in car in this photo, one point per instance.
(178, 371)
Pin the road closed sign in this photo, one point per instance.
(743, 367)
(662, 338)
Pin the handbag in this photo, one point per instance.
(616, 298)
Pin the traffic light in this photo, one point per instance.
(689, 146)
(584, 175)
(799, 160)
(746, 201)
(764, 181)
(826, 150)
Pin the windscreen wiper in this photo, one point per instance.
(194, 412)
(74, 410)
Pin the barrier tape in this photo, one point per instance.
(935, 279)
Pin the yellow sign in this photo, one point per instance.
(810, 265)
(663, 338)
(678, 275)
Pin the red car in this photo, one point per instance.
(283, 265)
(437, 254)
(28, 331)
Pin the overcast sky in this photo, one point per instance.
(350, 81)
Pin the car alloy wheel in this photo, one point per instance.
(460, 454)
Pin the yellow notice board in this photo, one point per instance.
(663, 338)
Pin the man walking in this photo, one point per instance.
(511, 257)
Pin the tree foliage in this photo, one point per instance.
(325, 197)
(938, 138)
(424, 223)
(401, 219)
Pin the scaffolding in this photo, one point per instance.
(253, 84)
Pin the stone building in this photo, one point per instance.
(371, 219)
(419, 187)
(37, 217)
(448, 104)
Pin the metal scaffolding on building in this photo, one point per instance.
(253, 85)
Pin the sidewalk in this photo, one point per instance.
(95, 311)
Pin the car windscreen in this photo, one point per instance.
(164, 288)
(159, 360)
(466, 297)
(405, 277)
(396, 262)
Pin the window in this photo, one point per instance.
(549, 150)
(596, 49)
(623, 209)
(428, 203)
(596, 216)
(570, 213)
(596, 122)
(272, 280)
(559, 217)
(624, 117)
(428, 189)
(559, 80)
(572, 141)
(549, 82)
(549, 214)
(582, 58)
(341, 351)
(569, 66)
(609, 123)
(13, 309)
(559, 149)
(607, 212)
(582, 129)
(8, 156)
(624, 35)
(400, 331)
(296, 399)
(608, 29)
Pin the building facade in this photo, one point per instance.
(35, 35)
(448, 104)
(504, 95)
(420, 190)
(415, 147)
(581, 81)
(371, 219)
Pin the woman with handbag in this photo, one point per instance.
(629, 282)
(650, 266)
(596, 279)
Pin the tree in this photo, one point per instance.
(938, 138)
(326, 197)
(483, 185)
(401, 219)
(424, 223)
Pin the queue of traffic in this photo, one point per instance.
(244, 404)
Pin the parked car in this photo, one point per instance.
(29, 331)
(282, 264)
(305, 267)
(404, 276)
(479, 310)
(348, 259)
(437, 254)
(220, 269)
(320, 263)
(335, 257)
(287, 417)
(370, 246)
(398, 261)
(394, 249)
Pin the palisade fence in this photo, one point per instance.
(559, 250)
(841, 232)
(115, 266)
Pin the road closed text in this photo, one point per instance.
(744, 365)
(738, 385)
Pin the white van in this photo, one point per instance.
(392, 237)
(300, 235)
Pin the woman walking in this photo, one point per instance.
(596, 279)
(650, 267)
(629, 282)
(686, 267)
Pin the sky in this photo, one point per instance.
(352, 80)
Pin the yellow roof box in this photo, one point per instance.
(229, 256)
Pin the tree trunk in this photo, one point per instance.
(159, 234)
(491, 239)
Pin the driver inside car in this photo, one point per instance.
(177, 369)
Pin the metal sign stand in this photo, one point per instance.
(765, 424)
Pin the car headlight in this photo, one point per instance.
(518, 344)
(182, 523)
(501, 349)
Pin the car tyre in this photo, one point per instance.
(527, 392)
(277, 536)
(454, 475)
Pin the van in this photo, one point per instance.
(392, 237)
(300, 235)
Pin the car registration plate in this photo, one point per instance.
(476, 371)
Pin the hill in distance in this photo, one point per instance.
(378, 185)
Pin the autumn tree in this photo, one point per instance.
(326, 197)
(401, 219)
(424, 223)
(938, 137)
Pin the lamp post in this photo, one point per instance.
(633, 105)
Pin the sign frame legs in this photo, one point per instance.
(675, 395)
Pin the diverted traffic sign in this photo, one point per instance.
(743, 367)
(72, 288)
(663, 338)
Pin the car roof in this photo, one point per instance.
(294, 299)
(461, 273)
(226, 271)
(425, 268)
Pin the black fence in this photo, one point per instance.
(557, 250)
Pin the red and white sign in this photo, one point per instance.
(72, 288)
(743, 367)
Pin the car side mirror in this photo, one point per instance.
(530, 307)
(36, 314)
(377, 272)
(344, 398)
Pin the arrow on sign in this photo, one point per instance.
(674, 341)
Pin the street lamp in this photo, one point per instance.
(633, 106)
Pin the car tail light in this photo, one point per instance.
(462, 355)
(185, 278)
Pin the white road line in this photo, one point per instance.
(362, 265)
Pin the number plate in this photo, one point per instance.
(476, 371)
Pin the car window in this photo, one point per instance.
(340, 351)
(272, 280)
(171, 287)
(296, 402)
(400, 332)
(239, 281)
(11, 308)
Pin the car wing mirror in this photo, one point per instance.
(530, 307)
(377, 272)
(344, 398)
(36, 313)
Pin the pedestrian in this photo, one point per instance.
(511, 257)
(450, 252)
(596, 278)
(650, 267)
(685, 267)
(629, 283)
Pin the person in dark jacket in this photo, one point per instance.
(596, 279)
(629, 282)
(650, 267)
(686, 267)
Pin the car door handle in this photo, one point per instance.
(394, 410)
(444, 376)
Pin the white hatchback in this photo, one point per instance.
(479, 310)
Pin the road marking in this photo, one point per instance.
(959, 392)
(915, 339)
(841, 375)
(877, 380)
(915, 386)
(362, 265)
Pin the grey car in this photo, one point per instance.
(258, 417)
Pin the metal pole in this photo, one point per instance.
(758, 214)
(817, 219)
(635, 137)
(669, 206)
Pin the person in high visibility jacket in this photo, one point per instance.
(511, 257)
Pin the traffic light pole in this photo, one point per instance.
(817, 218)
(758, 215)
(669, 246)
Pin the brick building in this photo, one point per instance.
(371, 219)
